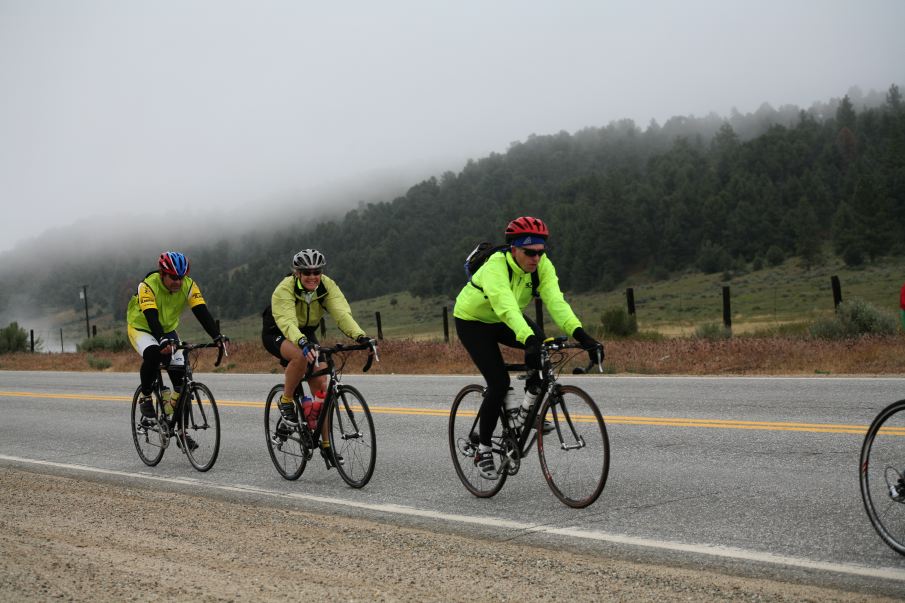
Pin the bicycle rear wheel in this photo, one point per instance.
(284, 442)
(199, 427)
(575, 456)
(463, 442)
(882, 479)
(352, 437)
(150, 443)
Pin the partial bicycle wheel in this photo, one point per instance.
(883, 475)
(352, 437)
(284, 442)
(149, 443)
(463, 442)
(575, 456)
(199, 426)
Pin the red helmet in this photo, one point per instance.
(526, 225)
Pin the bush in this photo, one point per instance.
(775, 256)
(617, 322)
(98, 364)
(104, 343)
(15, 339)
(853, 319)
(712, 331)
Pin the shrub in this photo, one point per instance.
(15, 339)
(617, 322)
(775, 256)
(853, 319)
(712, 331)
(104, 343)
(98, 364)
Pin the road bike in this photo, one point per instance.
(353, 444)
(574, 453)
(882, 475)
(194, 423)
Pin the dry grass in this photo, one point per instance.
(737, 356)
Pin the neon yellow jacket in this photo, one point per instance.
(504, 301)
(153, 294)
(294, 308)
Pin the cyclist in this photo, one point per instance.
(489, 312)
(152, 318)
(296, 307)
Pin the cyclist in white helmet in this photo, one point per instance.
(296, 307)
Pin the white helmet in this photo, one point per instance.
(308, 259)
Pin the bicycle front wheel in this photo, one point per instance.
(575, 455)
(464, 418)
(284, 441)
(352, 437)
(883, 475)
(149, 440)
(200, 427)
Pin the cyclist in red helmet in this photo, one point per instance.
(489, 312)
(153, 316)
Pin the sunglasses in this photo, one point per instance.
(533, 253)
(174, 277)
(311, 272)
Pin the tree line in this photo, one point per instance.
(709, 194)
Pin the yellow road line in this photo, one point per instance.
(612, 419)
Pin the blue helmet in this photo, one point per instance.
(173, 263)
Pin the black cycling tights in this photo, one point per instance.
(482, 341)
(150, 369)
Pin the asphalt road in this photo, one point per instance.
(704, 471)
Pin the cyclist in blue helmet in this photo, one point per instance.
(153, 316)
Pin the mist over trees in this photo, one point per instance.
(705, 193)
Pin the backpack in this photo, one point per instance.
(478, 257)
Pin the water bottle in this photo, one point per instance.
(308, 411)
(316, 406)
(166, 400)
(531, 392)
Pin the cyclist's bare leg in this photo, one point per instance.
(295, 370)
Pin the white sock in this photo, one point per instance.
(482, 448)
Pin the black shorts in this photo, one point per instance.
(273, 339)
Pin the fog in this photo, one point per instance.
(168, 119)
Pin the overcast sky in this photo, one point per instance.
(118, 107)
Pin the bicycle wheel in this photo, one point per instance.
(352, 437)
(882, 480)
(463, 442)
(575, 456)
(284, 442)
(149, 441)
(199, 428)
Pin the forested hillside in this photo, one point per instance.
(709, 194)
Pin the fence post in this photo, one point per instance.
(445, 324)
(727, 312)
(539, 313)
(630, 300)
(379, 326)
(61, 341)
(32, 331)
(323, 328)
(837, 291)
(94, 330)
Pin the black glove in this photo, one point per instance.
(532, 352)
(594, 347)
(303, 343)
(221, 339)
(363, 339)
(166, 341)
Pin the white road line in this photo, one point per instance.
(886, 573)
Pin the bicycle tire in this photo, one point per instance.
(463, 422)
(575, 456)
(882, 463)
(199, 422)
(352, 436)
(147, 440)
(284, 443)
